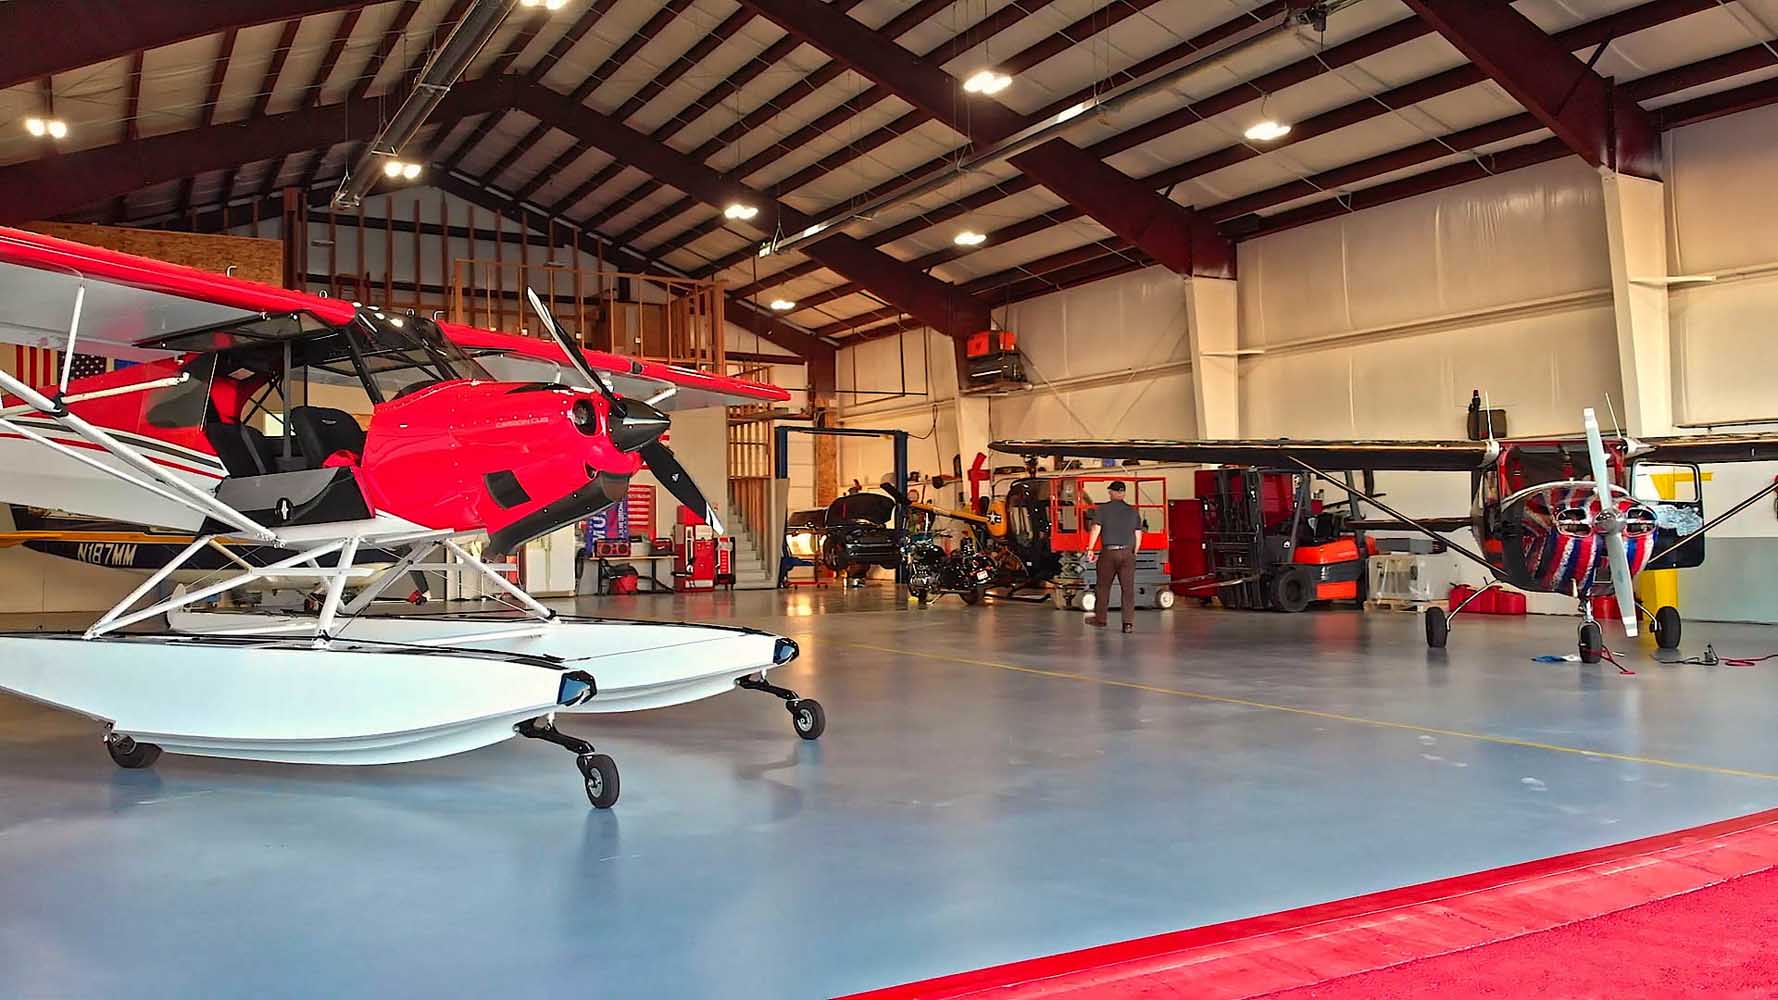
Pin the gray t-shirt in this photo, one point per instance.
(1118, 523)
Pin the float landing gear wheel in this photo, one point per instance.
(1592, 642)
(597, 770)
(1438, 628)
(806, 714)
(1667, 627)
(600, 772)
(808, 718)
(1164, 600)
(126, 752)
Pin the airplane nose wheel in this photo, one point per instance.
(596, 769)
(806, 715)
(1592, 642)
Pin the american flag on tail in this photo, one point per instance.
(42, 366)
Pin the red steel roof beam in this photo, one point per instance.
(1568, 97)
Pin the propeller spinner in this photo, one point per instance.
(636, 426)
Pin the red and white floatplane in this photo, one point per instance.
(453, 455)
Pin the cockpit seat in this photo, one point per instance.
(243, 449)
(323, 433)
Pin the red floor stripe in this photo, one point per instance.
(1715, 942)
(1313, 944)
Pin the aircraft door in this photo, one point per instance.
(1676, 494)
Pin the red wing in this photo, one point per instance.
(1328, 456)
(630, 376)
(128, 299)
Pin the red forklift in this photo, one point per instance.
(1260, 539)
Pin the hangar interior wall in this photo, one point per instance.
(1380, 323)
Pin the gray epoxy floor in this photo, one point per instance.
(995, 784)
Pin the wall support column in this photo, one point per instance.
(1212, 314)
(1636, 228)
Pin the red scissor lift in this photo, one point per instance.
(1071, 504)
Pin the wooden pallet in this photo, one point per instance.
(1399, 604)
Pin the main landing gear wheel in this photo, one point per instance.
(808, 718)
(973, 597)
(600, 772)
(1667, 627)
(1438, 628)
(126, 752)
(1592, 642)
(1164, 599)
(924, 597)
(806, 714)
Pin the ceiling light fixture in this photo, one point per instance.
(970, 238)
(782, 305)
(1266, 131)
(545, 4)
(987, 81)
(736, 210)
(410, 170)
(55, 128)
(400, 169)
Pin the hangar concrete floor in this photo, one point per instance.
(995, 784)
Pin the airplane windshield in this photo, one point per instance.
(413, 347)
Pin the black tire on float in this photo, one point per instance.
(1667, 627)
(973, 597)
(128, 753)
(808, 718)
(1292, 590)
(1438, 628)
(1592, 642)
(600, 774)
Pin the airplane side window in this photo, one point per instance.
(182, 405)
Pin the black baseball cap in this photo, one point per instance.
(1117, 486)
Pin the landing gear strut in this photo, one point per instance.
(806, 715)
(1438, 623)
(598, 770)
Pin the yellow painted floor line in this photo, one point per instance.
(1318, 714)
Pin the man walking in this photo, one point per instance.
(1116, 524)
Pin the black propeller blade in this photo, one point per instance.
(635, 425)
(570, 348)
(673, 476)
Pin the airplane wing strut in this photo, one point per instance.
(170, 487)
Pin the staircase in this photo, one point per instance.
(750, 566)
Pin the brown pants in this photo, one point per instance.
(1121, 564)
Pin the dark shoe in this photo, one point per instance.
(1128, 628)
(1095, 621)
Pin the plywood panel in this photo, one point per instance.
(252, 260)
